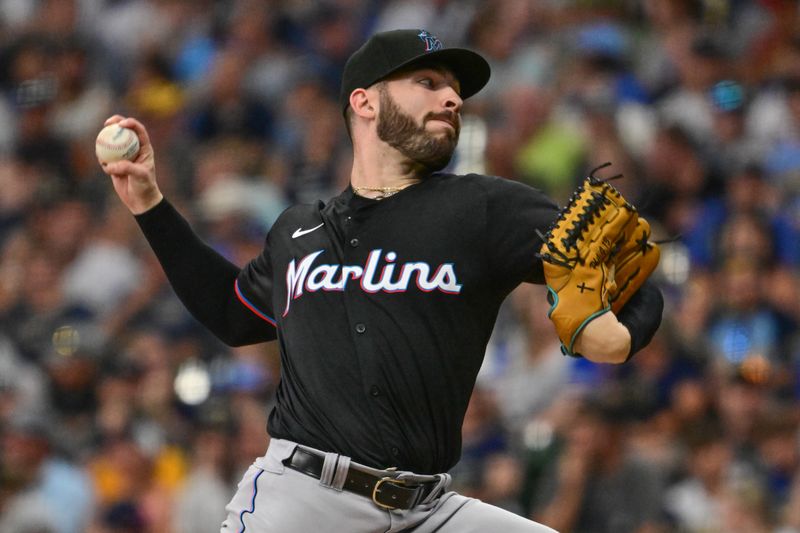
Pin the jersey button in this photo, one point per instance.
(354, 242)
(395, 451)
(375, 391)
(361, 328)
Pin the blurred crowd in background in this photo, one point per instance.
(119, 413)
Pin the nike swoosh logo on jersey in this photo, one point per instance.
(300, 231)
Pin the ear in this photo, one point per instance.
(362, 103)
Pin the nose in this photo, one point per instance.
(452, 101)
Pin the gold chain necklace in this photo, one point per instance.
(385, 191)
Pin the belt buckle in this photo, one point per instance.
(376, 490)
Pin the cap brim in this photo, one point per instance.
(471, 70)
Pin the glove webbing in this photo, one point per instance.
(583, 221)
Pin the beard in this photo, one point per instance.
(399, 130)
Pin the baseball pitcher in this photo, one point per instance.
(383, 299)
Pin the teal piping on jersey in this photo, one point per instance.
(250, 306)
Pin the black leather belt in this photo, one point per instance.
(386, 492)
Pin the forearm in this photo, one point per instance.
(202, 279)
(642, 316)
(615, 339)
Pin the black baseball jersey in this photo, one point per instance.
(383, 310)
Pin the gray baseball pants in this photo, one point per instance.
(272, 498)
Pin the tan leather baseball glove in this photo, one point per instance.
(578, 254)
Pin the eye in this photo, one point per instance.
(427, 82)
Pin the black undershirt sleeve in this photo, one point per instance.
(642, 315)
(202, 279)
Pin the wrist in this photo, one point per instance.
(604, 340)
(147, 203)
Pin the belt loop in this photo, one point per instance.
(441, 486)
(328, 469)
(340, 476)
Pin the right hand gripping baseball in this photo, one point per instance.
(576, 257)
(135, 181)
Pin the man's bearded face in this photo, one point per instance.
(401, 131)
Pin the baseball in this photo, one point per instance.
(115, 143)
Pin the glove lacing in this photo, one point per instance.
(579, 226)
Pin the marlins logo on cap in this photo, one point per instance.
(432, 43)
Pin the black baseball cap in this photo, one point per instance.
(387, 52)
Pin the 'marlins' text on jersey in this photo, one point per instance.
(380, 273)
